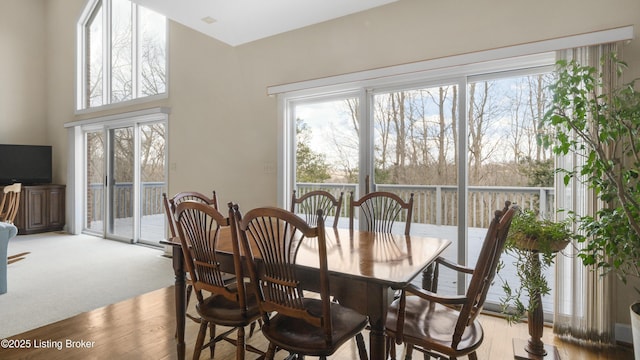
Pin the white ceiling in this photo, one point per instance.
(236, 22)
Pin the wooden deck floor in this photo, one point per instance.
(144, 328)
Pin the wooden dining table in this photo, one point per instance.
(364, 268)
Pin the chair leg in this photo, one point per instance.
(188, 292)
(409, 351)
(391, 348)
(212, 335)
(270, 352)
(362, 350)
(252, 327)
(20, 255)
(11, 261)
(200, 341)
(240, 344)
(473, 356)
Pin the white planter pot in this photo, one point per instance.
(635, 328)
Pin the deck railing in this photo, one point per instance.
(433, 204)
(123, 193)
(437, 204)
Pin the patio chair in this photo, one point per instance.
(229, 303)
(309, 203)
(446, 326)
(302, 325)
(381, 210)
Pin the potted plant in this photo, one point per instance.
(534, 243)
(604, 128)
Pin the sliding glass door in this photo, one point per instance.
(125, 179)
(462, 144)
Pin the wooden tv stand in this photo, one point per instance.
(41, 209)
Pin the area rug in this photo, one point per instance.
(64, 275)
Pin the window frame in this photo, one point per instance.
(88, 14)
(365, 91)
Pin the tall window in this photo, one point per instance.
(121, 53)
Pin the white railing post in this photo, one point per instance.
(543, 204)
(438, 205)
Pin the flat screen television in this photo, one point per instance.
(26, 164)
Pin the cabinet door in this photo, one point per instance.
(56, 208)
(36, 208)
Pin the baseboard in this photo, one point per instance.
(623, 333)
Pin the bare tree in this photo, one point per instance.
(483, 114)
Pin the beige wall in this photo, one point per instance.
(22, 73)
(222, 123)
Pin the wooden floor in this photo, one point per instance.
(144, 328)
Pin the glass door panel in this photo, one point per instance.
(120, 184)
(152, 182)
(327, 148)
(505, 162)
(95, 180)
(416, 151)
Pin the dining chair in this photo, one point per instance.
(10, 202)
(381, 210)
(293, 320)
(229, 304)
(8, 212)
(173, 232)
(445, 326)
(309, 203)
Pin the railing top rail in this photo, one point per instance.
(444, 187)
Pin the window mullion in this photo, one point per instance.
(463, 147)
(366, 173)
(135, 50)
(106, 61)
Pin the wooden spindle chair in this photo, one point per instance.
(381, 210)
(220, 302)
(300, 324)
(447, 326)
(8, 212)
(309, 203)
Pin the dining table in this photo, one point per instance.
(364, 270)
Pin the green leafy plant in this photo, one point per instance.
(604, 129)
(533, 244)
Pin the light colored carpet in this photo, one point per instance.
(69, 274)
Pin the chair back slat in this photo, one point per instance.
(275, 235)
(381, 210)
(309, 203)
(485, 270)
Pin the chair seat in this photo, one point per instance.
(299, 337)
(433, 324)
(225, 312)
